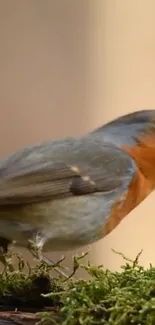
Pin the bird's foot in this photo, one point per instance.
(56, 265)
(36, 251)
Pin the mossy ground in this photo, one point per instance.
(111, 298)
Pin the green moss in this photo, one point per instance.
(111, 298)
(23, 288)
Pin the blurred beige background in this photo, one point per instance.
(68, 66)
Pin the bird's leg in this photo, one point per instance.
(55, 265)
(36, 250)
(4, 254)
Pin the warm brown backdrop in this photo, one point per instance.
(70, 65)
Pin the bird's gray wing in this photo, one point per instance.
(63, 168)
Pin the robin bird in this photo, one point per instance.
(72, 192)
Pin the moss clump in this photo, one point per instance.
(111, 298)
(23, 288)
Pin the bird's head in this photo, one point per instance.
(127, 129)
(135, 134)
